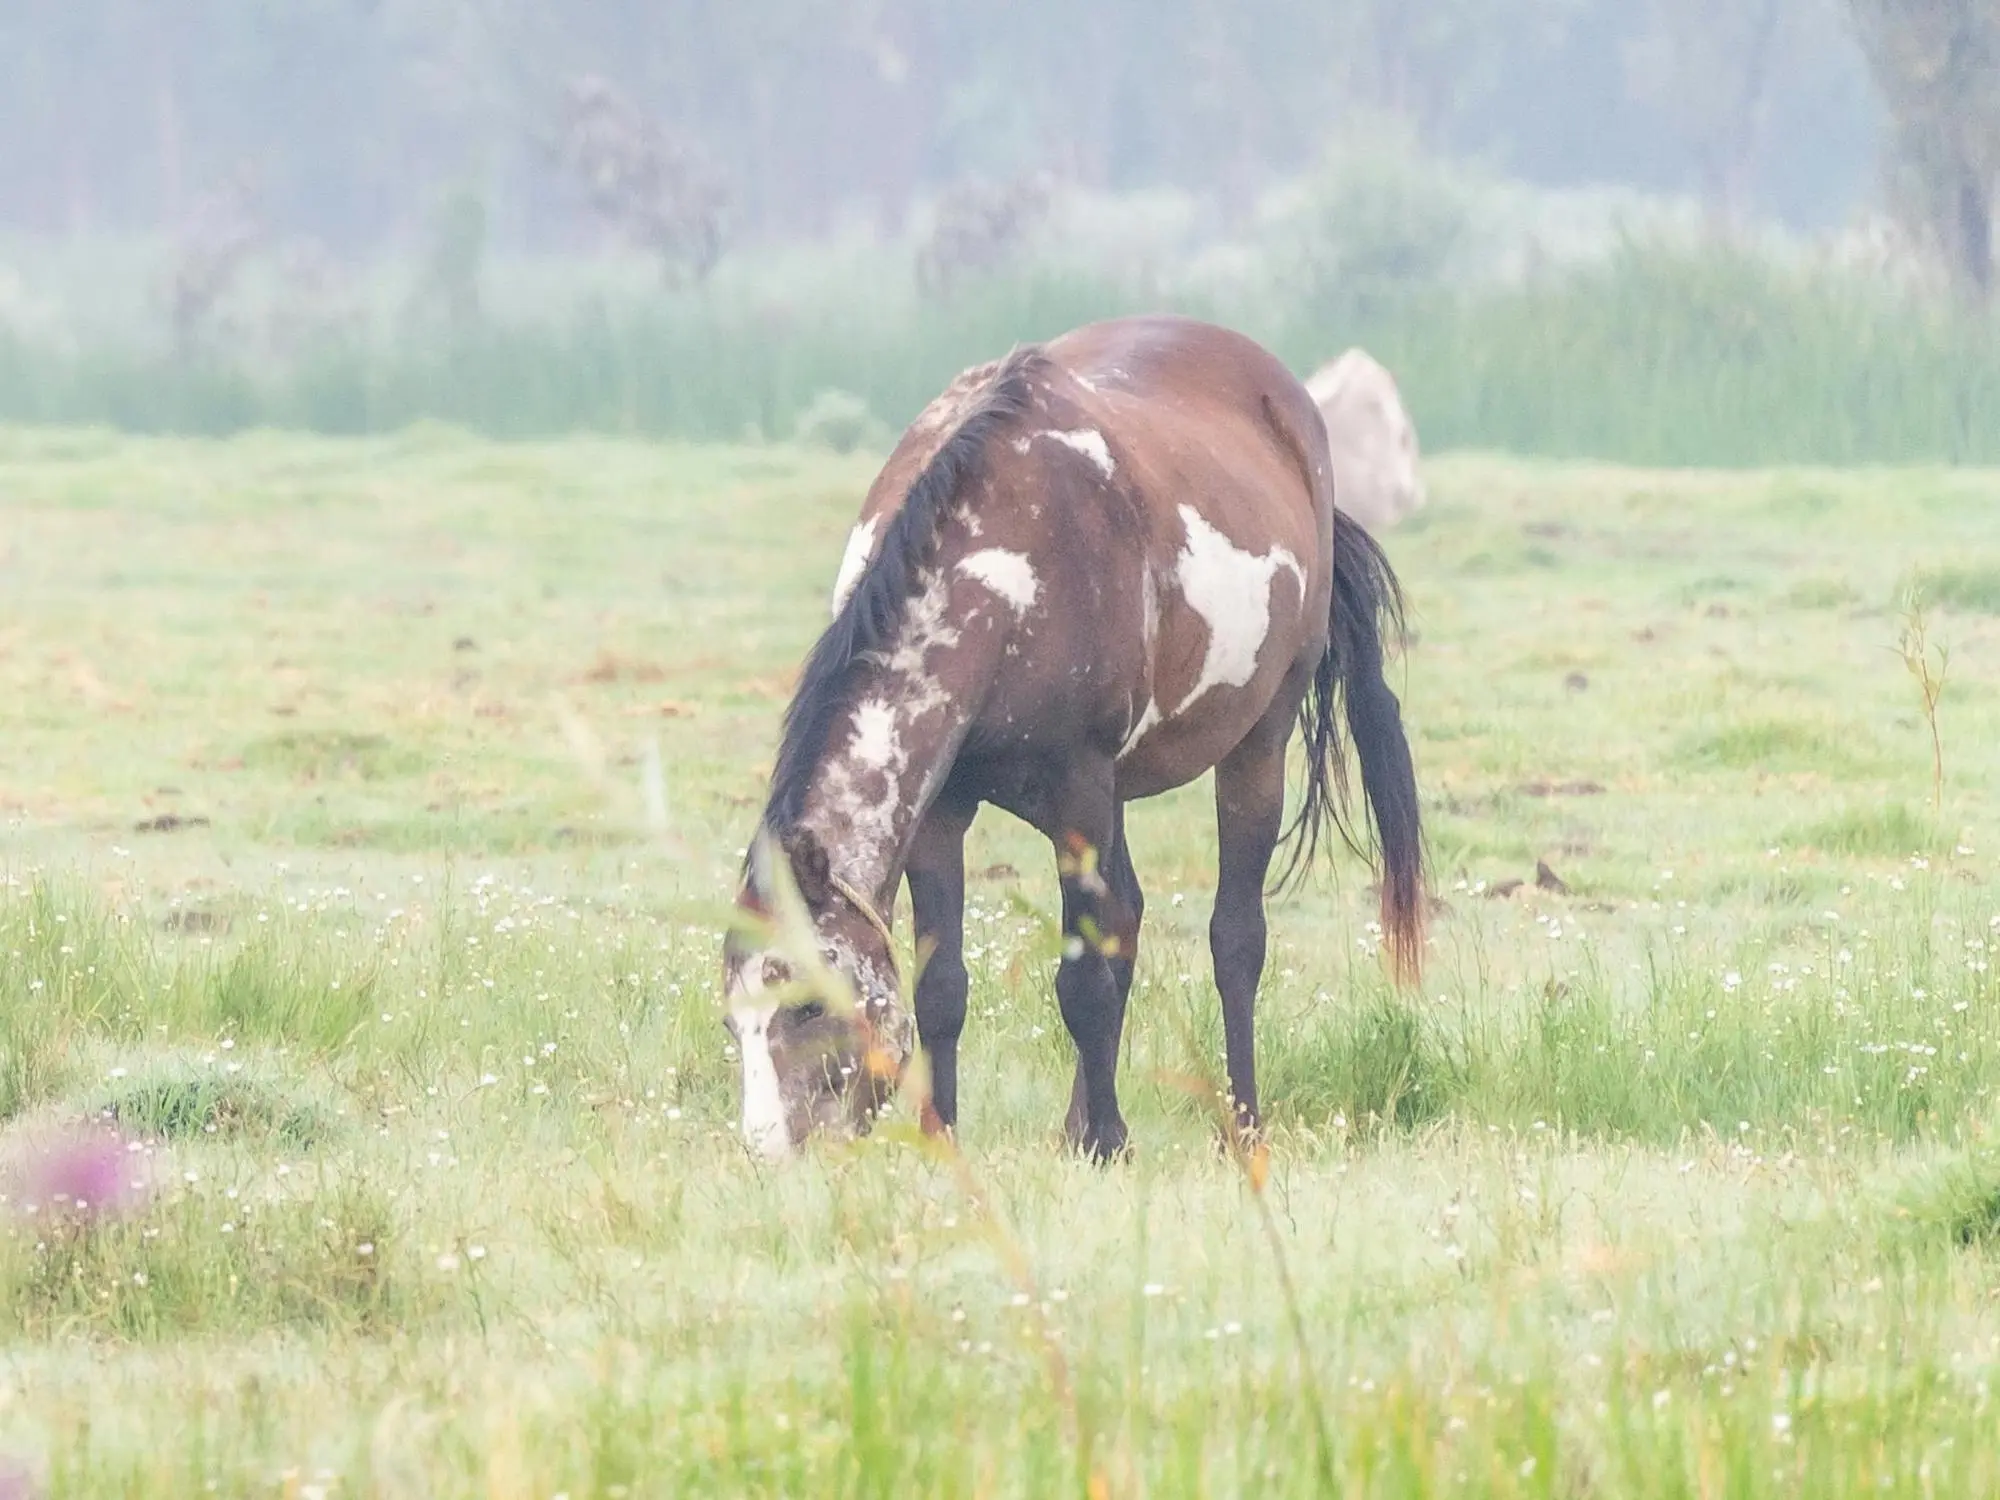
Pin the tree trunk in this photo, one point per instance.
(1974, 250)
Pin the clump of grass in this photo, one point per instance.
(185, 1099)
(327, 754)
(1377, 1064)
(1956, 1198)
(1973, 587)
(839, 421)
(67, 962)
(1770, 745)
(1887, 832)
(1821, 593)
(1715, 583)
(78, 971)
(288, 985)
(205, 1259)
(1795, 498)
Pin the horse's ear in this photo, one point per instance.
(810, 869)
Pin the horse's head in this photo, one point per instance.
(817, 1020)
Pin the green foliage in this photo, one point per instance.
(1655, 357)
(840, 422)
(206, 1259)
(1376, 229)
(184, 1099)
(448, 289)
(1774, 745)
(1378, 1065)
(1956, 1198)
(322, 755)
(1891, 832)
(1821, 593)
(1970, 586)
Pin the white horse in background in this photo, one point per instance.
(1373, 441)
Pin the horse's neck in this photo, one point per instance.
(891, 750)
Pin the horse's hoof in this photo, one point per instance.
(1108, 1148)
(1240, 1138)
(934, 1125)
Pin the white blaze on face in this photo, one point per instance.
(853, 563)
(764, 1128)
(1231, 590)
(1090, 443)
(1008, 574)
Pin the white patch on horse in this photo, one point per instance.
(1231, 590)
(862, 800)
(853, 563)
(763, 1101)
(864, 787)
(1149, 717)
(876, 743)
(1008, 574)
(948, 408)
(1090, 443)
(924, 631)
(1149, 593)
(1022, 445)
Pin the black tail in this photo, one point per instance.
(1367, 606)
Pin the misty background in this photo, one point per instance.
(1659, 230)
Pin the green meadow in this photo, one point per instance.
(369, 811)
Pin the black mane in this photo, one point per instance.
(867, 622)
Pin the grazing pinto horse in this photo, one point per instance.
(1088, 573)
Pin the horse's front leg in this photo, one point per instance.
(1128, 910)
(1081, 822)
(936, 873)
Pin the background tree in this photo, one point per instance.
(119, 115)
(1710, 71)
(1937, 65)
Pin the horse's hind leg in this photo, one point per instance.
(1249, 815)
(936, 872)
(1130, 907)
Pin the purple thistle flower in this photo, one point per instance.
(81, 1171)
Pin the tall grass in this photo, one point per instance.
(1652, 356)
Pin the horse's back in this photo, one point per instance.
(1211, 413)
(1208, 418)
(1160, 509)
(1221, 453)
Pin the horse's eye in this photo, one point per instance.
(811, 1010)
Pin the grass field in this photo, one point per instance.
(338, 877)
